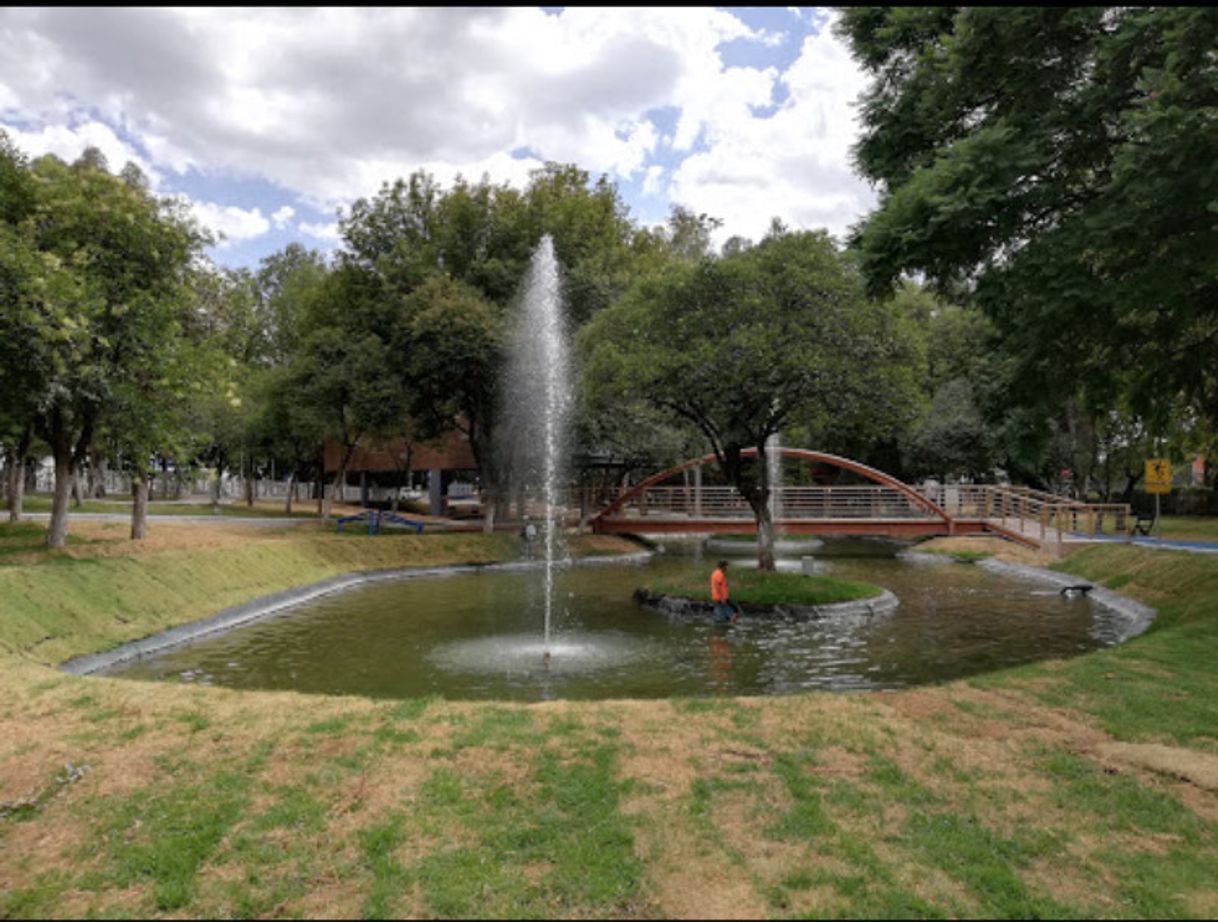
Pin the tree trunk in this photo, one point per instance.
(756, 493)
(340, 481)
(765, 538)
(215, 489)
(490, 502)
(57, 530)
(319, 482)
(328, 504)
(139, 505)
(77, 499)
(11, 478)
(15, 487)
(403, 473)
(99, 488)
(249, 483)
(287, 506)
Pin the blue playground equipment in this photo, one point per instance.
(375, 519)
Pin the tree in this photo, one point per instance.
(687, 235)
(1054, 164)
(742, 346)
(103, 266)
(953, 439)
(344, 375)
(24, 273)
(453, 341)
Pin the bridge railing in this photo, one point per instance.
(791, 503)
(1044, 516)
(1030, 512)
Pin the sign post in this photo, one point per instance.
(1158, 481)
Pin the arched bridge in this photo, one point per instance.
(881, 505)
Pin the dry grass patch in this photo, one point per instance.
(1000, 548)
(1175, 762)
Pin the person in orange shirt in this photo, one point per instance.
(725, 610)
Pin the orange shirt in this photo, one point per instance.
(718, 586)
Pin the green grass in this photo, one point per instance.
(760, 588)
(1164, 687)
(946, 802)
(64, 607)
(29, 537)
(1188, 527)
(163, 835)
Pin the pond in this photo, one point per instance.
(479, 636)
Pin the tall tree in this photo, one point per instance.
(742, 346)
(25, 275)
(454, 341)
(116, 259)
(1055, 164)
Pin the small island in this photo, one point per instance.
(791, 596)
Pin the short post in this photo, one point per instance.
(698, 490)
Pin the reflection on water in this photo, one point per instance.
(480, 636)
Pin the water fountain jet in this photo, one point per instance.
(538, 401)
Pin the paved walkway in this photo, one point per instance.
(196, 519)
(1168, 544)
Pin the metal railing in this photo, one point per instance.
(853, 502)
(1028, 512)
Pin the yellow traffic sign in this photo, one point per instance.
(1158, 475)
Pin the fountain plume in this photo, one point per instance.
(538, 396)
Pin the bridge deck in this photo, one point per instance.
(880, 506)
(1015, 529)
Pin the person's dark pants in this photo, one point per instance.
(723, 611)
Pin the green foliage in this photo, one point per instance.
(741, 347)
(1055, 165)
(93, 310)
(953, 440)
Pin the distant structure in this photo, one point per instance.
(444, 465)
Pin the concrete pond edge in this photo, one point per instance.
(277, 603)
(1137, 617)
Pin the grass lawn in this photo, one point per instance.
(1077, 788)
(1188, 528)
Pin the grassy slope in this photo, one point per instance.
(65, 607)
(1077, 788)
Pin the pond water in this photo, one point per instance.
(479, 636)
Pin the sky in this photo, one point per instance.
(270, 122)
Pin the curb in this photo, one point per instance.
(1138, 617)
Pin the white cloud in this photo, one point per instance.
(329, 103)
(312, 98)
(327, 232)
(793, 165)
(68, 142)
(651, 182)
(231, 223)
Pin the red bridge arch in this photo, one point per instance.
(940, 522)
